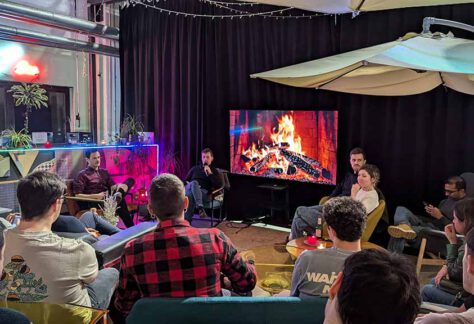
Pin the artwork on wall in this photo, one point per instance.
(23, 160)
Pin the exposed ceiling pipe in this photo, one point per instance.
(30, 14)
(32, 37)
(428, 21)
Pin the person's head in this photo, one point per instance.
(468, 263)
(345, 218)
(167, 197)
(357, 158)
(368, 176)
(463, 219)
(376, 286)
(93, 158)
(207, 156)
(455, 187)
(40, 194)
(2, 249)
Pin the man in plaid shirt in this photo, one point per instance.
(178, 260)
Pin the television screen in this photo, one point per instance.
(291, 145)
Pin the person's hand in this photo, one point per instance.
(355, 189)
(441, 274)
(10, 217)
(93, 232)
(207, 170)
(101, 195)
(434, 212)
(450, 233)
(248, 255)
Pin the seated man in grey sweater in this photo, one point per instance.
(316, 270)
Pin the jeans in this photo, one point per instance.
(305, 220)
(101, 290)
(404, 216)
(94, 221)
(197, 197)
(431, 293)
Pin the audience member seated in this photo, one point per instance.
(8, 316)
(375, 286)
(345, 218)
(343, 188)
(94, 183)
(407, 224)
(306, 218)
(468, 283)
(41, 266)
(202, 179)
(89, 222)
(177, 260)
(436, 291)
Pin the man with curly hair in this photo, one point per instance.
(316, 270)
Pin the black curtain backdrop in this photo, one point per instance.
(182, 75)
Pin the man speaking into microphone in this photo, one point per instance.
(201, 180)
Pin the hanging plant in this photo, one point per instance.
(31, 96)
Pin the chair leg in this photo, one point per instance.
(421, 254)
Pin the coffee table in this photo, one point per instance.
(297, 246)
(57, 313)
(274, 265)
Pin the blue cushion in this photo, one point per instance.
(248, 310)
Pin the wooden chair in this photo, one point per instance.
(433, 245)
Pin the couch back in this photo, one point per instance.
(229, 310)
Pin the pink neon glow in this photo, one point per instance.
(23, 67)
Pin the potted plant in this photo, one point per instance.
(16, 139)
(131, 128)
(30, 95)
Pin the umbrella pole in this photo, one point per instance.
(428, 21)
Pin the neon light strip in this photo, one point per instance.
(79, 147)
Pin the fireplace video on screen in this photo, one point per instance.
(291, 145)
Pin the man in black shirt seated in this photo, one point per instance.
(303, 214)
(202, 179)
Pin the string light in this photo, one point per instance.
(277, 14)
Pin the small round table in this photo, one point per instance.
(297, 246)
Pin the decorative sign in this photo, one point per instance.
(23, 160)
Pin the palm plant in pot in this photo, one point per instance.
(31, 96)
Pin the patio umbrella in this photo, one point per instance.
(413, 64)
(346, 6)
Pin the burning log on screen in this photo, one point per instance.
(291, 169)
(260, 164)
(326, 173)
(300, 163)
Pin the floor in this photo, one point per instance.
(247, 237)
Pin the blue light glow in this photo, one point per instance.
(244, 130)
(8, 55)
(76, 147)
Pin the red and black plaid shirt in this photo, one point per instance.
(178, 260)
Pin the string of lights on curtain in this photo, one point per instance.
(285, 13)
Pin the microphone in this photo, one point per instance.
(205, 170)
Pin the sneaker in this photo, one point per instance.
(202, 212)
(402, 231)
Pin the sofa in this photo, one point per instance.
(248, 310)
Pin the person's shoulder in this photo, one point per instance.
(435, 318)
(139, 242)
